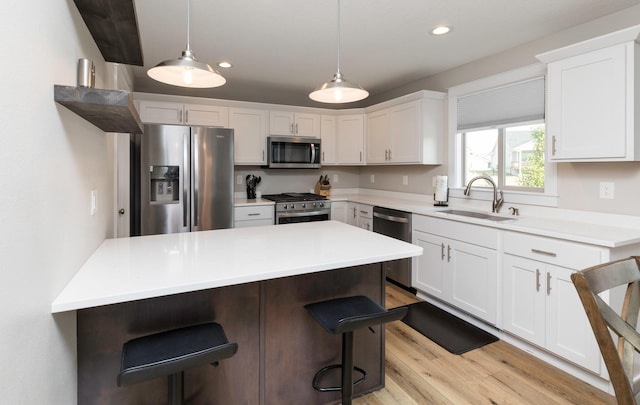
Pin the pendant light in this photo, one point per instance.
(338, 90)
(186, 71)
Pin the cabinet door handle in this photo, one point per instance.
(448, 253)
(543, 252)
(553, 145)
(537, 280)
(361, 156)
(389, 154)
(323, 156)
(548, 283)
(442, 251)
(186, 117)
(180, 116)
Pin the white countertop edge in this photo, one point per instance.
(594, 228)
(113, 273)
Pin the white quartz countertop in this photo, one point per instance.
(598, 229)
(128, 269)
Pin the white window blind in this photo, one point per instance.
(513, 103)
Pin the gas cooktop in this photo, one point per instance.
(294, 197)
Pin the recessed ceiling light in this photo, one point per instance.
(440, 30)
(224, 64)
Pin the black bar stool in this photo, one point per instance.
(343, 316)
(171, 352)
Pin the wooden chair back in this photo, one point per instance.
(608, 323)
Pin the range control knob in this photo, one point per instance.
(314, 205)
(304, 205)
(321, 205)
(284, 206)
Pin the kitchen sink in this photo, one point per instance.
(475, 214)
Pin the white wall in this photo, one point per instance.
(50, 159)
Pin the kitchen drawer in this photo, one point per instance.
(249, 213)
(253, 222)
(365, 211)
(554, 251)
(456, 230)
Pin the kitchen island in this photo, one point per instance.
(253, 281)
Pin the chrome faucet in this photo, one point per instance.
(497, 202)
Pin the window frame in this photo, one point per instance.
(549, 197)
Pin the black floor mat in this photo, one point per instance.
(448, 331)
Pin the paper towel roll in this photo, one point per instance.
(441, 189)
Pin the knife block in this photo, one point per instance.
(322, 189)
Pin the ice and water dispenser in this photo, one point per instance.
(165, 184)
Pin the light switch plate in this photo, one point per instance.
(606, 190)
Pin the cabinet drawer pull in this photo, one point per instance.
(537, 280)
(543, 252)
(548, 283)
(253, 214)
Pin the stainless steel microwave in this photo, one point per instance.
(291, 152)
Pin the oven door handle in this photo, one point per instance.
(302, 214)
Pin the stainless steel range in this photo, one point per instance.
(300, 207)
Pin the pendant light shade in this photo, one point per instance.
(186, 71)
(338, 90)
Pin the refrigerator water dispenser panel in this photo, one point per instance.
(165, 184)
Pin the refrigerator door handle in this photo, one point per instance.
(195, 179)
(185, 184)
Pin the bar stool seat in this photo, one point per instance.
(344, 316)
(171, 352)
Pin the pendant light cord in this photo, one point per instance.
(338, 36)
(188, 23)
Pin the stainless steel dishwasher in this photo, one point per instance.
(395, 224)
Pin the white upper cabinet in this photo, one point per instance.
(350, 140)
(328, 139)
(250, 135)
(592, 99)
(162, 112)
(408, 133)
(294, 124)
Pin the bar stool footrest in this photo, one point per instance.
(326, 369)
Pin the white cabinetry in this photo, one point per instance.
(253, 215)
(295, 124)
(163, 112)
(408, 133)
(360, 215)
(540, 303)
(328, 139)
(339, 211)
(459, 265)
(592, 99)
(250, 135)
(350, 139)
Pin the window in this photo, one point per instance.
(513, 156)
(498, 130)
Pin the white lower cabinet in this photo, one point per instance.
(360, 215)
(258, 215)
(540, 303)
(339, 211)
(458, 266)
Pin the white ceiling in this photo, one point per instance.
(282, 49)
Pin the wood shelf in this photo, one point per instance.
(109, 110)
(114, 27)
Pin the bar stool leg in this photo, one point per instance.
(347, 368)
(176, 388)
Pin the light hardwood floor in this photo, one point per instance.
(420, 372)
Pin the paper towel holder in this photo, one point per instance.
(437, 203)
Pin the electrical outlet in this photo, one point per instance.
(606, 190)
(335, 178)
(405, 180)
(372, 178)
(93, 202)
(239, 179)
(434, 180)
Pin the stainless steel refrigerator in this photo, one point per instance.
(182, 179)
